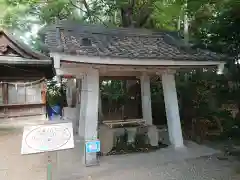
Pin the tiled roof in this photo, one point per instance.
(7, 39)
(17, 59)
(121, 43)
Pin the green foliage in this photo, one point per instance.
(56, 92)
(221, 31)
(12, 16)
(196, 92)
(113, 91)
(212, 24)
(167, 13)
(58, 9)
(53, 92)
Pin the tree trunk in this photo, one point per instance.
(78, 12)
(186, 24)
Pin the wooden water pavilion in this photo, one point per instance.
(91, 53)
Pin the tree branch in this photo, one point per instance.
(102, 1)
(144, 13)
(127, 14)
(87, 8)
(88, 12)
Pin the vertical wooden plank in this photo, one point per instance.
(5, 97)
(25, 92)
(43, 92)
(1, 91)
(5, 93)
(125, 91)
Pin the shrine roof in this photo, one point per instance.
(20, 59)
(11, 46)
(96, 40)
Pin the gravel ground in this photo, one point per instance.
(13, 166)
(203, 168)
(194, 169)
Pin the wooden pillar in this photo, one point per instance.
(82, 107)
(146, 99)
(78, 104)
(91, 103)
(5, 93)
(172, 110)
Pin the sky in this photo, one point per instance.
(26, 37)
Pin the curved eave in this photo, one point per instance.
(44, 66)
(137, 62)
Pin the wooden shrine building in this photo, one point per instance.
(22, 78)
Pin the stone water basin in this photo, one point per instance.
(110, 131)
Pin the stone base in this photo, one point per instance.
(91, 159)
(106, 137)
(70, 114)
(163, 136)
(131, 134)
(153, 135)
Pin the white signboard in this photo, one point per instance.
(47, 137)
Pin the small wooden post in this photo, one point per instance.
(52, 166)
(49, 167)
(5, 93)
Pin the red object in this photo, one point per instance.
(44, 93)
(67, 76)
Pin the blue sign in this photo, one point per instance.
(92, 146)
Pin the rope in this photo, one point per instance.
(24, 84)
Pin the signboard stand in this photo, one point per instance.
(49, 168)
(48, 138)
(91, 148)
(52, 165)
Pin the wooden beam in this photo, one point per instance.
(20, 78)
(23, 61)
(118, 78)
(121, 74)
(127, 61)
(110, 67)
(112, 71)
(123, 70)
(106, 68)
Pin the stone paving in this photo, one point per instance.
(165, 164)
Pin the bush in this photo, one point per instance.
(231, 127)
